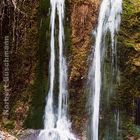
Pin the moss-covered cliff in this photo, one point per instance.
(129, 64)
(19, 22)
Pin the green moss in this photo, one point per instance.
(128, 90)
(131, 129)
(9, 124)
(130, 27)
(67, 29)
(129, 44)
(39, 89)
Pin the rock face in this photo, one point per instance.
(84, 16)
(129, 65)
(6, 136)
(19, 23)
(83, 19)
(29, 135)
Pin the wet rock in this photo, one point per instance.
(6, 136)
(29, 135)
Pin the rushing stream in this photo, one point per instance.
(108, 23)
(57, 125)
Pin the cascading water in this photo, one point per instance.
(108, 22)
(57, 126)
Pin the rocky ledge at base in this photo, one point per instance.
(29, 134)
(6, 136)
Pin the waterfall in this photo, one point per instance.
(49, 113)
(108, 22)
(57, 125)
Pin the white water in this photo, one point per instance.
(57, 126)
(109, 21)
(49, 121)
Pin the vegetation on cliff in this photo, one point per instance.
(21, 27)
(83, 19)
(129, 65)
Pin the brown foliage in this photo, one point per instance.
(84, 16)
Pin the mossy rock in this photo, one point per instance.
(8, 124)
